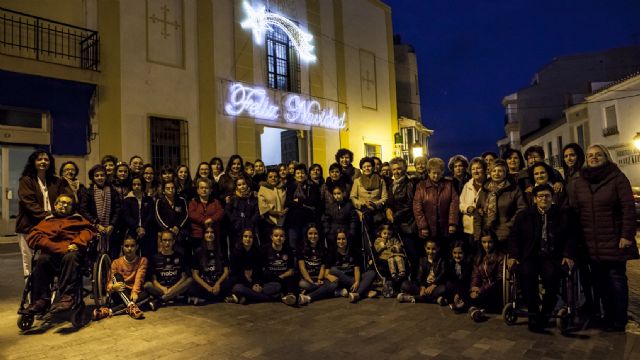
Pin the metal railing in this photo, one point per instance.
(47, 40)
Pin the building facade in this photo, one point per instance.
(178, 82)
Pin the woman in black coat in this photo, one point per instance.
(171, 212)
(305, 206)
(604, 200)
(137, 213)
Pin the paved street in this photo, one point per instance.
(373, 329)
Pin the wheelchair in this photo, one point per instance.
(566, 305)
(93, 277)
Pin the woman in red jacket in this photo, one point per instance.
(604, 201)
(204, 211)
(435, 205)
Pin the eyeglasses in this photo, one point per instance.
(543, 196)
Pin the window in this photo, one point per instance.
(283, 66)
(169, 142)
(610, 121)
(559, 144)
(24, 118)
(371, 150)
(580, 135)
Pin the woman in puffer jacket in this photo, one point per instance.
(604, 200)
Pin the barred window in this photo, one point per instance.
(283, 67)
(169, 142)
(372, 150)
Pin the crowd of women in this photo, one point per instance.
(246, 232)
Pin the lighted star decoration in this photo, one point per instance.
(259, 20)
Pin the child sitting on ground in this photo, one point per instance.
(169, 279)
(486, 279)
(126, 278)
(430, 284)
(389, 248)
(458, 275)
(210, 271)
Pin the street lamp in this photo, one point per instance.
(636, 141)
(417, 150)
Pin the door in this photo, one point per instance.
(12, 160)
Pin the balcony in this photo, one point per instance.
(45, 40)
(612, 130)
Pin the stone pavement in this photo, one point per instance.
(372, 329)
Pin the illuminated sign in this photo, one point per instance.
(259, 20)
(243, 100)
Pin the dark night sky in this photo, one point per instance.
(471, 53)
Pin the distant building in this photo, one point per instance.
(413, 134)
(610, 116)
(560, 84)
(178, 82)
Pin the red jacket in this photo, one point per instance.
(429, 199)
(53, 235)
(199, 213)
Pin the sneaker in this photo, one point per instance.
(232, 299)
(38, 307)
(371, 294)
(342, 293)
(441, 301)
(134, 311)
(64, 304)
(406, 298)
(476, 314)
(101, 313)
(289, 299)
(154, 305)
(354, 297)
(304, 299)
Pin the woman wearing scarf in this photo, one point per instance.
(498, 203)
(604, 200)
(271, 196)
(101, 206)
(304, 207)
(369, 196)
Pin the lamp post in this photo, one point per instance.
(416, 149)
(636, 141)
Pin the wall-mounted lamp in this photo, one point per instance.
(417, 150)
(636, 141)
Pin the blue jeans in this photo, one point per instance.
(413, 288)
(270, 292)
(612, 285)
(346, 281)
(318, 292)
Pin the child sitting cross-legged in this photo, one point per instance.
(210, 271)
(126, 278)
(169, 278)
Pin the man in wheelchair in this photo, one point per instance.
(61, 239)
(541, 243)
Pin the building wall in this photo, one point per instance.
(626, 99)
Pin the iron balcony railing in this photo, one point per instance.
(47, 40)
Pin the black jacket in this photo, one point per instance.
(138, 216)
(340, 216)
(168, 217)
(400, 201)
(305, 209)
(526, 235)
(88, 206)
(242, 213)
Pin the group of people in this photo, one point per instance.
(251, 233)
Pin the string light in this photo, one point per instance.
(259, 21)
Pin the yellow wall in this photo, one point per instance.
(206, 81)
(243, 52)
(109, 93)
(70, 12)
(340, 68)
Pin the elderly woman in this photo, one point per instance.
(470, 193)
(458, 169)
(369, 193)
(498, 203)
(604, 201)
(271, 198)
(400, 209)
(420, 164)
(435, 205)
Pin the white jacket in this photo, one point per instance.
(468, 197)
